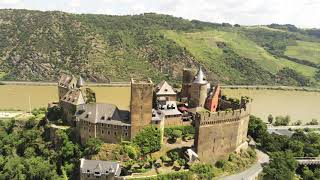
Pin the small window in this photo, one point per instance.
(115, 133)
(109, 118)
(108, 125)
(87, 116)
(126, 134)
(102, 132)
(88, 170)
(108, 132)
(126, 127)
(102, 118)
(115, 126)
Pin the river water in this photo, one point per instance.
(299, 105)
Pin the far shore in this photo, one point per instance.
(127, 84)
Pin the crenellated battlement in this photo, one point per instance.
(207, 117)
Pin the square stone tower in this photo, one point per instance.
(141, 104)
(187, 78)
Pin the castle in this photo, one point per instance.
(103, 120)
(220, 123)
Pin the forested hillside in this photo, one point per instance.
(39, 45)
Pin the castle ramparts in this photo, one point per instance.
(220, 117)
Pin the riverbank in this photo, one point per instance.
(264, 87)
(127, 84)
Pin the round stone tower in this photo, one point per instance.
(199, 90)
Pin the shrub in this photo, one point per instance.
(93, 146)
(176, 134)
(38, 111)
(282, 121)
(220, 163)
(54, 113)
(132, 150)
(149, 140)
(173, 155)
(203, 171)
(186, 131)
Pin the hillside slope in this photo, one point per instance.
(39, 45)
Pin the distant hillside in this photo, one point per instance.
(39, 45)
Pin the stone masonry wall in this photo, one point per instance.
(198, 95)
(140, 105)
(220, 133)
(108, 133)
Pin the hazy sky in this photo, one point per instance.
(303, 13)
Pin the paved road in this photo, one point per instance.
(253, 171)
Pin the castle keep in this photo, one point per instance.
(220, 133)
(140, 104)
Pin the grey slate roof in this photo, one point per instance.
(200, 78)
(164, 88)
(102, 113)
(74, 96)
(65, 80)
(99, 167)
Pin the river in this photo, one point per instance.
(299, 105)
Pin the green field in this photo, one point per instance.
(309, 51)
(203, 45)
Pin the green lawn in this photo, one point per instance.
(309, 51)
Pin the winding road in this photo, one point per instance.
(252, 172)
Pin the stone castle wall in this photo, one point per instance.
(220, 133)
(108, 133)
(68, 111)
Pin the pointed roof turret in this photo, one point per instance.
(200, 78)
(80, 82)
